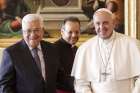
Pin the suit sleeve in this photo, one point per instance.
(7, 74)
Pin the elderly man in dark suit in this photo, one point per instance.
(29, 66)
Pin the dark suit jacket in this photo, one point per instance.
(19, 73)
(67, 54)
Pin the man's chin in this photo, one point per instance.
(73, 43)
(102, 36)
(33, 44)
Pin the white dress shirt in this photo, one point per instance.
(41, 57)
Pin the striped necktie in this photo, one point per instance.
(36, 57)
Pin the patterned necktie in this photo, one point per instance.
(36, 57)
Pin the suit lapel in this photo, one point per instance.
(29, 61)
(48, 58)
(45, 56)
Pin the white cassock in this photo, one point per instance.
(118, 58)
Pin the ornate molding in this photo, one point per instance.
(61, 2)
(70, 6)
(130, 18)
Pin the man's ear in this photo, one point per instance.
(62, 29)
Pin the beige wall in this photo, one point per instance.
(138, 19)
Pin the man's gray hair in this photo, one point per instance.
(29, 18)
(102, 10)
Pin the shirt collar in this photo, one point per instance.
(38, 47)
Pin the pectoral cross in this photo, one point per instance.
(105, 74)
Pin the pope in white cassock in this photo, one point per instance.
(108, 62)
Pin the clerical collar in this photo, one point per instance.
(66, 43)
(106, 41)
